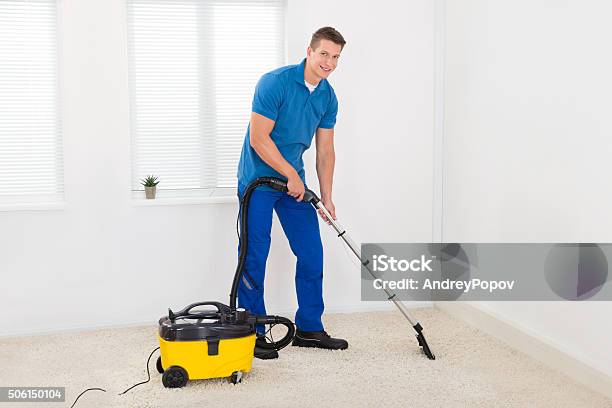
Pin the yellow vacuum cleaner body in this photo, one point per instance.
(211, 358)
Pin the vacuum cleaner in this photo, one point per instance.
(201, 344)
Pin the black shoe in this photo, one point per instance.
(318, 339)
(265, 354)
(263, 350)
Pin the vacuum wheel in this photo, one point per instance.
(158, 365)
(236, 377)
(175, 377)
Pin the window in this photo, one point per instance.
(193, 67)
(31, 169)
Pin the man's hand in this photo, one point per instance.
(295, 187)
(330, 207)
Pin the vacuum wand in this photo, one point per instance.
(312, 198)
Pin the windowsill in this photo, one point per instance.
(143, 202)
(48, 206)
(186, 197)
(138, 200)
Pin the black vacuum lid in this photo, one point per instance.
(187, 328)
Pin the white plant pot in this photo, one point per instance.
(150, 192)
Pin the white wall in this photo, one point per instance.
(384, 136)
(101, 260)
(527, 144)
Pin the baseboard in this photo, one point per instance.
(374, 307)
(521, 339)
(362, 307)
(75, 329)
(354, 308)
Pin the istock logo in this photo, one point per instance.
(383, 263)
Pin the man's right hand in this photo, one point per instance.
(295, 187)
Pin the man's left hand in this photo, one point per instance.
(331, 208)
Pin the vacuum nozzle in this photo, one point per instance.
(422, 342)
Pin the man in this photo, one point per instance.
(290, 105)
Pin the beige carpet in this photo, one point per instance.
(382, 367)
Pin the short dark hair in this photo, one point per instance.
(327, 33)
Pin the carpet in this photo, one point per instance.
(383, 366)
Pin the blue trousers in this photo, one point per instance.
(301, 226)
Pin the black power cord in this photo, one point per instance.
(89, 389)
(133, 386)
(148, 373)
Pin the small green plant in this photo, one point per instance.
(149, 181)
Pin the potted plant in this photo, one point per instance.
(150, 184)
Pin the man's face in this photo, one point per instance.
(323, 60)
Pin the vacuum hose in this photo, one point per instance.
(272, 321)
(244, 231)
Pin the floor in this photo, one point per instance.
(382, 367)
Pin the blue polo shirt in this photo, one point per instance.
(282, 96)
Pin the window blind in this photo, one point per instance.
(31, 167)
(193, 66)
